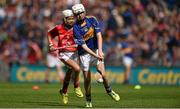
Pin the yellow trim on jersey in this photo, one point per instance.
(91, 17)
(89, 34)
(83, 24)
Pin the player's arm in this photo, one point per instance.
(124, 47)
(51, 35)
(100, 43)
(99, 36)
(80, 41)
(87, 49)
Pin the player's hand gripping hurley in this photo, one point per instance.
(51, 48)
(69, 46)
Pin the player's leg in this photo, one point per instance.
(47, 75)
(85, 63)
(77, 88)
(50, 64)
(127, 74)
(61, 73)
(101, 69)
(98, 77)
(76, 69)
(64, 89)
(59, 68)
(67, 80)
(71, 64)
(87, 86)
(127, 61)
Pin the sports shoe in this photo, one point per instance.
(64, 97)
(98, 77)
(78, 92)
(100, 80)
(114, 95)
(88, 104)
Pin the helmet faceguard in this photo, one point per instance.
(68, 17)
(79, 12)
(78, 8)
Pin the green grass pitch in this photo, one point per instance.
(22, 96)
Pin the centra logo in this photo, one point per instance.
(169, 77)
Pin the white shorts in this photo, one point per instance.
(87, 60)
(53, 61)
(68, 55)
(127, 61)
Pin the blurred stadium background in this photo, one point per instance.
(152, 27)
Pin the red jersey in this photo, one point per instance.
(65, 37)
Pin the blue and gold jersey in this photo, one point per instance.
(86, 34)
(127, 49)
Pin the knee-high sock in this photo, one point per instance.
(76, 80)
(67, 80)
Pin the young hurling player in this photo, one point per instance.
(67, 55)
(127, 58)
(88, 37)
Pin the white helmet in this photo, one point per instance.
(67, 13)
(78, 8)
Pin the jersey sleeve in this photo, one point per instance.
(78, 37)
(96, 25)
(53, 32)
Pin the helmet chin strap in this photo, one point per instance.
(80, 20)
(68, 26)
